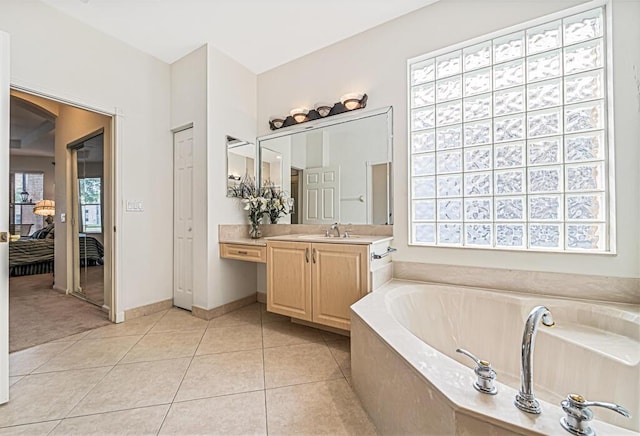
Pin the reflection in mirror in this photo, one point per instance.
(271, 168)
(337, 170)
(88, 214)
(241, 167)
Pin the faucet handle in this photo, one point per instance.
(578, 414)
(486, 375)
(347, 231)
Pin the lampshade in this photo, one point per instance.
(351, 101)
(299, 114)
(277, 121)
(323, 109)
(45, 208)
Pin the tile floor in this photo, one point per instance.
(247, 372)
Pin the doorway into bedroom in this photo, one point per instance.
(59, 210)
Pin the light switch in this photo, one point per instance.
(134, 206)
(63, 217)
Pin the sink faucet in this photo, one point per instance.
(335, 227)
(525, 400)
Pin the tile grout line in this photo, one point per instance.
(264, 375)
(48, 360)
(338, 363)
(99, 381)
(77, 369)
(104, 376)
(204, 332)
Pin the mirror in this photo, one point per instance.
(337, 170)
(241, 166)
(88, 217)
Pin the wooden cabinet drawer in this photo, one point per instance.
(250, 253)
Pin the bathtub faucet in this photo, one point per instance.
(525, 400)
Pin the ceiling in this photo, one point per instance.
(32, 130)
(259, 34)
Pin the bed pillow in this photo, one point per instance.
(42, 233)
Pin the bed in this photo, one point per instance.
(29, 256)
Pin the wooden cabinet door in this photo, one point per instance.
(289, 279)
(340, 276)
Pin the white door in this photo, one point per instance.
(183, 219)
(321, 187)
(4, 218)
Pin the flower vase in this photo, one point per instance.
(254, 231)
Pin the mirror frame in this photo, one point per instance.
(332, 121)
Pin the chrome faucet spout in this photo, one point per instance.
(525, 400)
(335, 226)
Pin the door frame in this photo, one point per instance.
(4, 217)
(115, 171)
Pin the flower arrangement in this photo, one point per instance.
(277, 203)
(269, 201)
(257, 206)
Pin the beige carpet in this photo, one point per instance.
(38, 314)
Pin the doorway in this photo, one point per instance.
(296, 195)
(60, 254)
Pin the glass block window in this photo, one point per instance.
(508, 140)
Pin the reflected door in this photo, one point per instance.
(88, 220)
(321, 188)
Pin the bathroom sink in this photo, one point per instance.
(323, 236)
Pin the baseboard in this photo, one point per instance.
(262, 297)
(208, 314)
(148, 309)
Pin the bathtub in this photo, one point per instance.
(411, 381)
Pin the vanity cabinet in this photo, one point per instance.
(316, 282)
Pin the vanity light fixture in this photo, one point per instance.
(351, 101)
(348, 102)
(299, 114)
(323, 109)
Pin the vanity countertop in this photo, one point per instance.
(245, 241)
(353, 239)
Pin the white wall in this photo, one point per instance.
(189, 105)
(232, 98)
(59, 56)
(375, 62)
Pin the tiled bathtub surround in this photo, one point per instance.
(409, 377)
(582, 286)
(246, 372)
